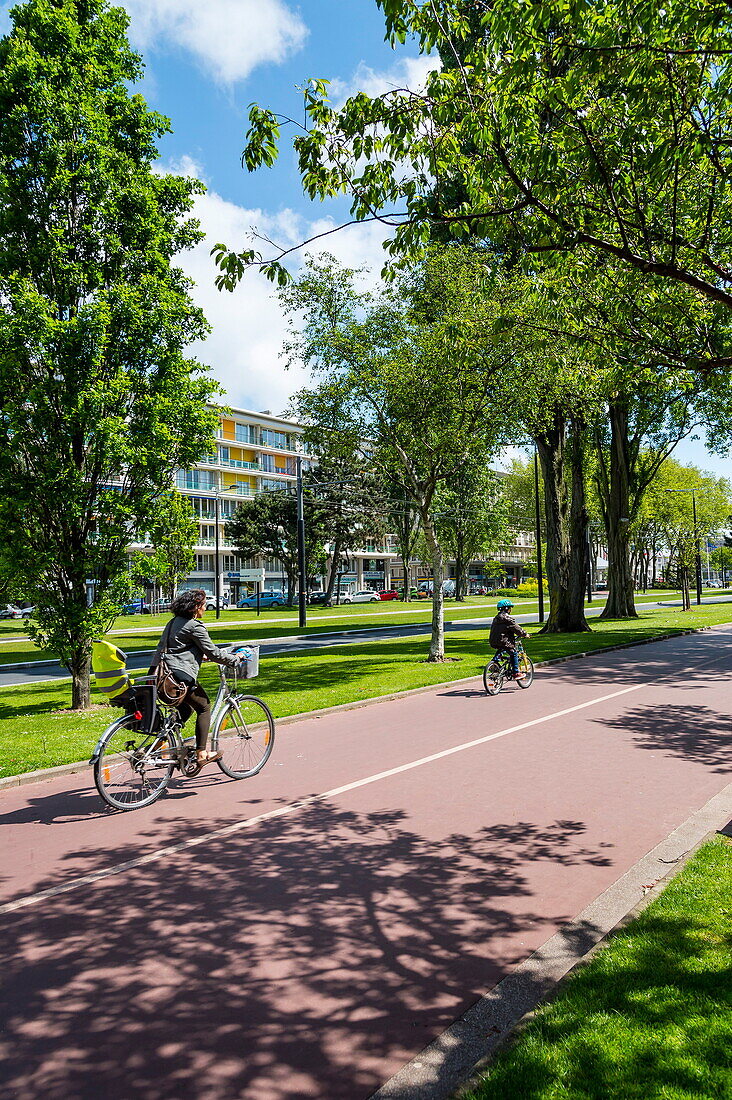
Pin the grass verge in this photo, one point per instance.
(38, 732)
(650, 1015)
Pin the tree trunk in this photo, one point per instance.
(437, 641)
(81, 685)
(620, 596)
(561, 456)
(459, 572)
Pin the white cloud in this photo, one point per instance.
(248, 327)
(408, 72)
(229, 38)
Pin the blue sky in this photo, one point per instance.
(206, 61)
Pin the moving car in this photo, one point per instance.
(391, 594)
(366, 595)
(273, 597)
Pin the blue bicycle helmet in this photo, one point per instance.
(504, 605)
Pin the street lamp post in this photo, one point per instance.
(302, 594)
(538, 537)
(697, 551)
(217, 578)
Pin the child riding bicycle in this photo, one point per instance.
(505, 632)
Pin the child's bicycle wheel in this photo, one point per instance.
(493, 676)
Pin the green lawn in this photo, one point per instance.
(650, 1016)
(135, 632)
(38, 732)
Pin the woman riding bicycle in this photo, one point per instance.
(504, 633)
(185, 644)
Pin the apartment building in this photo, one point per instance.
(256, 452)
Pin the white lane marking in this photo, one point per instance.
(301, 803)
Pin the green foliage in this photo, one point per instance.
(414, 373)
(173, 536)
(266, 526)
(527, 591)
(565, 125)
(98, 402)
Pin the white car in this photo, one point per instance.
(211, 603)
(366, 595)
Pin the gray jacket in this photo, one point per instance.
(187, 644)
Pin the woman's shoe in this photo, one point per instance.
(203, 758)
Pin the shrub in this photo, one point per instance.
(530, 591)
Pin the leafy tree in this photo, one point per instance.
(411, 373)
(403, 520)
(471, 516)
(721, 559)
(173, 537)
(668, 505)
(98, 403)
(554, 127)
(266, 526)
(350, 502)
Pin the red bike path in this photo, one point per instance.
(305, 933)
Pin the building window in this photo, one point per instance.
(204, 563)
(267, 462)
(196, 479)
(269, 484)
(208, 532)
(245, 433)
(275, 439)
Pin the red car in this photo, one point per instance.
(392, 594)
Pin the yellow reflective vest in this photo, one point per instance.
(108, 664)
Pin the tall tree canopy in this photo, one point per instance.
(567, 125)
(98, 403)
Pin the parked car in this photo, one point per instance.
(320, 599)
(392, 594)
(211, 603)
(136, 607)
(271, 598)
(12, 611)
(600, 587)
(366, 595)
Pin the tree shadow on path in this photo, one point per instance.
(307, 957)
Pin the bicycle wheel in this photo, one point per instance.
(130, 772)
(526, 665)
(492, 678)
(245, 734)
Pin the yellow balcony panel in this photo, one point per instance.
(227, 429)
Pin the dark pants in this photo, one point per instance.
(197, 701)
(513, 654)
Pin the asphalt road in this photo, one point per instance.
(42, 672)
(306, 932)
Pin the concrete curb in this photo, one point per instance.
(45, 664)
(288, 720)
(447, 1066)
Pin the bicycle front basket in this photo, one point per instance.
(249, 657)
